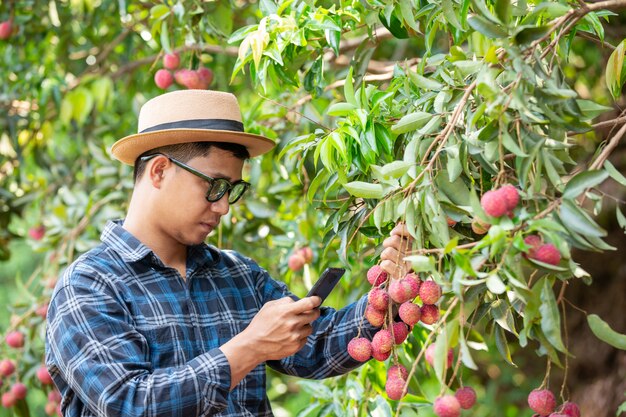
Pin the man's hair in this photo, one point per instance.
(185, 152)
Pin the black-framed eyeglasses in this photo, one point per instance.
(217, 186)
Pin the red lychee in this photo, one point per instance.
(307, 254)
(534, 241)
(380, 356)
(542, 401)
(570, 409)
(429, 314)
(402, 290)
(171, 61)
(295, 262)
(414, 282)
(430, 292)
(360, 349)
(409, 313)
(42, 310)
(510, 195)
(395, 388)
(19, 390)
(54, 396)
(451, 222)
(188, 78)
(37, 233)
(466, 397)
(376, 275)
(44, 376)
(374, 316)
(7, 367)
(557, 415)
(400, 332)
(493, 203)
(206, 76)
(397, 371)
(548, 254)
(15, 339)
(382, 341)
(429, 355)
(50, 408)
(163, 79)
(6, 28)
(378, 298)
(8, 399)
(447, 406)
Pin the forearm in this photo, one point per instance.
(242, 357)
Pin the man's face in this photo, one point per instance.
(183, 213)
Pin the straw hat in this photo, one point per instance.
(189, 116)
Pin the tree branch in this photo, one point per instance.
(611, 145)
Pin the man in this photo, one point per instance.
(156, 322)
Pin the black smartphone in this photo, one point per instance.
(327, 281)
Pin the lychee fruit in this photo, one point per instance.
(380, 356)
(37, 233)
(402, 290)
(542, 401)
(42, 310)
(429, 314)
(493, 203)
(398, 371)
(429, 355)
(206, 76)
(188, 78)
(410, 313)
(414, 282)
(15, 339)
(374, 316)
(400, 332)
(19, 390)
(307, 253)
(480, 227)
(8, 399)
(7, 367)
(510, 195)
(171, 61)
(534, 241)
(451, 222)
(163, 79)
(548, 254)
(376, 275)
(570, 409)
(466, 397)
(6, 28)
(378, 298)
(295, 262)
(430, 292)
(395, 388)
(50, 408)
(44, 376)
(382, 341)
(447, 406)
(359, 349)
(54, 396)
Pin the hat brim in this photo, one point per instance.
(128, 149)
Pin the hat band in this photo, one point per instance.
(209, 124)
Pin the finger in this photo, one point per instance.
(305, 304)
(397, 242)
(401, 230)
(310, 316)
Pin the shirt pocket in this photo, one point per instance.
(166, 346)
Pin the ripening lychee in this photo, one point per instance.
(398, 371)
(447, 406)
(542, 401)
(374, 316)
(534, 241)
(171, 61)
(8, 399)
(307, 253)
(19, 390)
(206, 76)
(400, 332)
(188, 78)
(493, 203)
(378, 298)
(163, 79)
(557, 415)
(295, 262)
(394, 387)
(429, 355)
(50, 408)
(480, 227)
(451, 222)
(360, 349)
(54, 396)
(510, 195)
(429, 314)
(382, 341)
(7, 367)
(380, 356)
(376, 275)
(466, 397)
(42, 310)
(37, 233)
(430, 292)
(570, 409)
(410, 313)
(44, 376)
(413, 281)
(6, 28)
(402, 290)
(15, 339)
(548, 253)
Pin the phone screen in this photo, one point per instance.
(327, 281)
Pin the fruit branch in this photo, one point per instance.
(611, 145)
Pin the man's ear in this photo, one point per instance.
(156, 170)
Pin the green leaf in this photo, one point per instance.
(614, 173)
(503, 10)
(604, 332)
(424, 83)
(583, 181)
(502, 345)
(614, 68)
(550, 317)
(348, 89)
(395, 169)
(591, 109)
(422, 263)
(482, 25)
(165, 38)
(578, 220)
(340, 109)
(621, 220)
(495, 284)
(365, 189)
(527, 34)
(410, 122)
(450, 15)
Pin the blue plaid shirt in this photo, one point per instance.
(127, 336)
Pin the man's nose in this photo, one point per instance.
(221, 206)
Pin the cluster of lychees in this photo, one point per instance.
(451, 405)
(17, 390)
(200, 78)
(382, 299)
(543, 402)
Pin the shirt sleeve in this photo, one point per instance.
(326, 351)
(97, 357)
